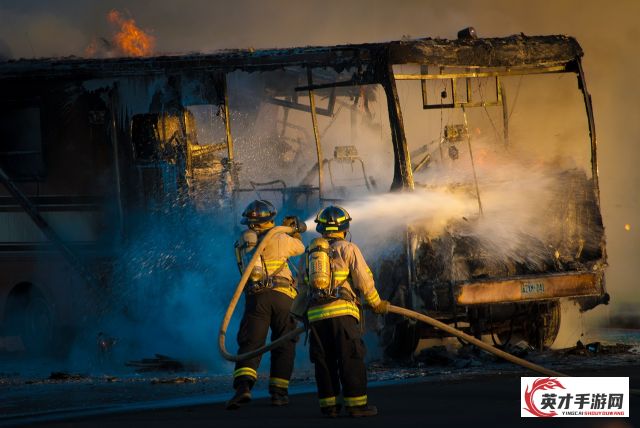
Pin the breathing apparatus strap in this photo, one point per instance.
(252, 287)
(305, 321)
(239, 256)
(332, 276)
(334, 290)
(268, 280)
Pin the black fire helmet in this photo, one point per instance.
(332, 219)
(257, 212)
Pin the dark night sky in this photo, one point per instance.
(608, 32)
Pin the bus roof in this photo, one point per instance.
(514, 51)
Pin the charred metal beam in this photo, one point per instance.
(288, 190)
(227, 118)
(351, 82)
(505, 114)
(113, 135)
(46, 229)
(54, 203)
(480, 74)
(582, 84)
(302, 107)
(316, 134)
(517, 50)
(473, 164)
(510, 51)
(402, 174)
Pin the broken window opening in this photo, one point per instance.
(356, 143)
(274, 142)
(21, 142)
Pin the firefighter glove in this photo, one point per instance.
(296, 223)
(381, 308)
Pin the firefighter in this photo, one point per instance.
(336, 273)
(268, 297)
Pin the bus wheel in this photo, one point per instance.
(401, 340)
(542, 324)
(29, 316)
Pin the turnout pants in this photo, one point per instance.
(337, 351)
(264, 310)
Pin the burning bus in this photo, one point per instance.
(94, 151)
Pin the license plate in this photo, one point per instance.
(532, 288)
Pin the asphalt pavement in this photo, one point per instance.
(481, 401)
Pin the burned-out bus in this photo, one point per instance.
(497, 132)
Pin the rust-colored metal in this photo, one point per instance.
(505, 113)
(227, 120)
(316, 134)
(479, 74)
(473, 164)
(531, 288)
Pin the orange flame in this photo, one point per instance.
(130, 39)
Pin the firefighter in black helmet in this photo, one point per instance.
(336, 274)
(268, 297)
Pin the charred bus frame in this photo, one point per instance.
(372, 64)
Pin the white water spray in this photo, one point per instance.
(516, 226)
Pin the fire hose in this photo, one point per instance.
(392, 309)
(234, 302)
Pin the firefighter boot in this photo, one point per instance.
(242, 396)
(331, 411)
(362, 411)
(279, 399)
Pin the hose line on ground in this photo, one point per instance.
(480, 344)
(477, 342)
(392, 309)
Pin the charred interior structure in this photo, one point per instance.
(90, 149)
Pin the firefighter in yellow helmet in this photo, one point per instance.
(268, 297)
(336, 274)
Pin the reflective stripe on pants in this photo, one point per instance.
(337, 352)
(265, 310)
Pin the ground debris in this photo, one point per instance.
(595, 348)
(163, 363)
(463, 357)
(174, 380)
(436, 355)
(8, 378)
(66, 376)
(520, 349)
